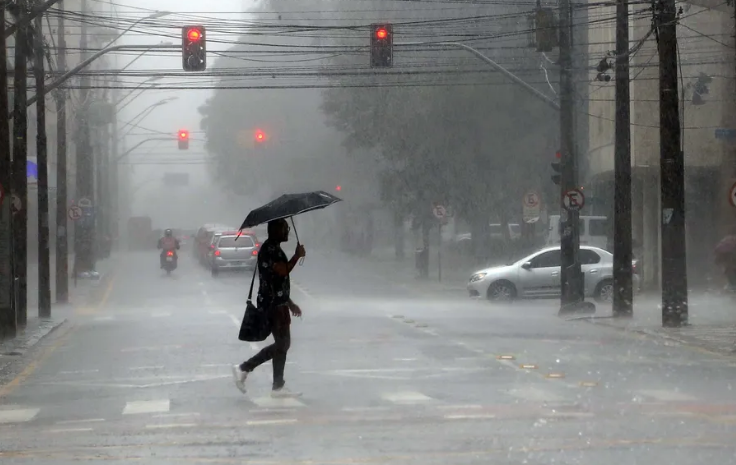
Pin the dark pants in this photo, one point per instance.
(280, 323)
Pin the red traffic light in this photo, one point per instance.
(183, 134)
(558, 154)
(381, 33)
(260, 136)
(338, 188)
(194, 34)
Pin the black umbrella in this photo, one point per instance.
(287, 206)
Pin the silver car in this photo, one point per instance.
(226, 253)
(538, 275)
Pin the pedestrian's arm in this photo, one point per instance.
(284, 268)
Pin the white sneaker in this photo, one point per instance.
(284, 393)
(239, 376)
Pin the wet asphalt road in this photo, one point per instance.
(391, 374)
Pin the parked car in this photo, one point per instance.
(203, 241)
(228, 251)
(538, 276)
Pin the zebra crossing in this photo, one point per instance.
(160, 413)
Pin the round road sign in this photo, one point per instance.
(531, 200)
(75, 213)
(439, 212)
(574, 200)
(732, 196)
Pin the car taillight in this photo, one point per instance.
(255, 252)
(212, 246)
(170, 253)
(217, 253)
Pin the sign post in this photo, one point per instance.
(532, 207)
(440, 213)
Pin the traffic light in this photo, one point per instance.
(557, 167)
(193, 48)
(382, 46)
(260, 136)
(183, 139)
(338, 188)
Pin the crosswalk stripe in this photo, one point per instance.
(535, 394)
(146, 406)
(271, 402)
(667, 396)
(18, 415)
(407, 397)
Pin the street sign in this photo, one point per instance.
(75, 213)
(725, 134)
(439, 212)
(573, 200)
(17, 205)
(84, 202)
(732, 195)
(532, 207)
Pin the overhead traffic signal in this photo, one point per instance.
(193, 48)
(382, 45)
(338, 188)
(183, 139)
(556, 166)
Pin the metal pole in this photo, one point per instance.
(8, 323)
(26, 21)
(571, 279)
(19, 170)
(672, 173)
(84, 228)
(622, 280)
(62, 238)
(44, 272)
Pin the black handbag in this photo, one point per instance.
(255, 326)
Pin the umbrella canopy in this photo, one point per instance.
(289, 205)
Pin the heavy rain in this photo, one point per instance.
(400, 232)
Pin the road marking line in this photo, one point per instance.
(271, 402)
(285, 421)
(18, 415)
(171, 425)
(302, 290)
(138, 349)
(568, 414)
(78, 372)
(535, 395)
(76, 422)
(479, 416)
(405, 359)
(216, 312)
(274, 410)
(459, 407)
(216, 365)
(103, 318)
(158, 367)
(176, 415)
(69, 430)
(146, 406)
(365, 409)
(406, 397)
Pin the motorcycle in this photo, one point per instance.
(170, 261)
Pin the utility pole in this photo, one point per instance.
(44, 273)
(8, 322)
(572, 296)
(672, 172)
(84, 228)
(19, 170)
(62, 238)
(622, 280)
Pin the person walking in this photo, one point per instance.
(274, 295)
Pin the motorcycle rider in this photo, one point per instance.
(167, 243)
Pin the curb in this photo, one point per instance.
(19, 345)
(652, 334)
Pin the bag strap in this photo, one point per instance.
(253, 280)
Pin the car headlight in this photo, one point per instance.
(477, 277)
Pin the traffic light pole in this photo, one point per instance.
(571, 277)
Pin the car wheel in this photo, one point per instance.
(604, 291)
(501, 291)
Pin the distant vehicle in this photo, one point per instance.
(538, 276)
(170, 261)
(230, 252)
(203, 240)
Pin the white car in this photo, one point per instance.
(538, 275)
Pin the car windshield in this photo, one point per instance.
(229, 241)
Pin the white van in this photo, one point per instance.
(593, 231)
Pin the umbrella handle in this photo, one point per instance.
(293, 226)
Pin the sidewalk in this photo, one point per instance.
(37, 328)
(712, 321)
